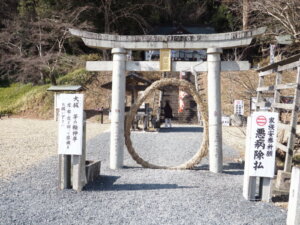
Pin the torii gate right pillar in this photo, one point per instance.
(214, 110)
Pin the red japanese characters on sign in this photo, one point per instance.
(261, 120)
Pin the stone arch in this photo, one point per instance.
(188, 87)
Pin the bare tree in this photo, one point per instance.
(186, 11)
(246, 10)
(115, 11)
(36, 44)
(49, 53)
(281, 16)
(283, 12)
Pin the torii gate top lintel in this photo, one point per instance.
(152, 42)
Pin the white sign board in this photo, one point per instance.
(253, 103)
(225, 121)
(239, 107)
(263, 144)
(70, 124)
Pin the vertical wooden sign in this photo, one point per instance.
(165, 60)
(70, 124)
(239, 107)
(263, 144)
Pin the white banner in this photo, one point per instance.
(181, 95)
(225, 121)
(70, 124)
(263, 144)
(239, 107)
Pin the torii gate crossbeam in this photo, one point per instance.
(183, 41)
(214, 43)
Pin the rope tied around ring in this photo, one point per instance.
(188, 87)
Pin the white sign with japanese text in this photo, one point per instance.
(70, 124)
(225, 121)
(239, 107)
(263, 144)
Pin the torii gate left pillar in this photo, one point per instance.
(117, 141)
(214, 109)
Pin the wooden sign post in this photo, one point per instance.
(263, 144)
(260, 154)
(239, 107)
(293, 217)
(71, 141)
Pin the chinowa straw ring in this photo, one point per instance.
(188, 87)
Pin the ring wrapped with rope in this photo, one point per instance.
(189, 88)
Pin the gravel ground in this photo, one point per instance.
(26, 142)
(235, 138)
(135, 195)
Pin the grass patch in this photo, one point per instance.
(36, 100)
(76, 77)
(18, 97)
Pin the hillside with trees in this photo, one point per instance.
(37, 49)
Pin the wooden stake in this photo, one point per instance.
(293, 217)
(78, 163)
(249, 182)
(65, 171)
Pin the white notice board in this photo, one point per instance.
(225, 121)
(239, 107)
(70, 124)
(263, 144)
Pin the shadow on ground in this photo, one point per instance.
(230, 168)
(106, 183)
(182, 130)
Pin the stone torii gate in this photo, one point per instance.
(214, 43)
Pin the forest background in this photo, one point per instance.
(36, 49)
